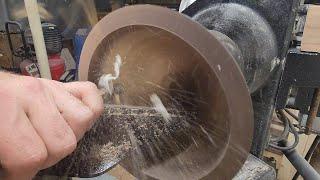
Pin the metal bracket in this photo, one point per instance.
(300, 78)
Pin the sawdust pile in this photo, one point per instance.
(109, 152)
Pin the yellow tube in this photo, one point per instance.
(37, 36)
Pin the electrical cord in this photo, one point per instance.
(301, 131)
(283, 118)
(284, 133)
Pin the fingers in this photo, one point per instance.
(42, 112)
(22, 151)
(89, 95)
(42, 121)
(79, 116)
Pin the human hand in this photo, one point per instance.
(41, 121)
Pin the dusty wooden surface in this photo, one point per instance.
(120, 173)
(315, 160)
(311, 34)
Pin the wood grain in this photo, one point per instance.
(311, 34)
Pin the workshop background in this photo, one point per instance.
(272, 45)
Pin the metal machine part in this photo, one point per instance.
(298, 88)
(302, 165)
(300, 78)
(52, 38)
(309, 154)
(300, 82)
(161, 55)
(231, 46)
(255, 168)
(257, 45)
(278, 18)
(315, 128)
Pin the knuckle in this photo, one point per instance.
(99, 109)
(69, 146)
(87, 118)
(65, 145)
(94, 111)
(88, 114)
(33, 85)
(61, 139)
(90, 85)
(37, 159)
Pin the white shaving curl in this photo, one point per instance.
(117, 65)
(105, 81)
(159, 107)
